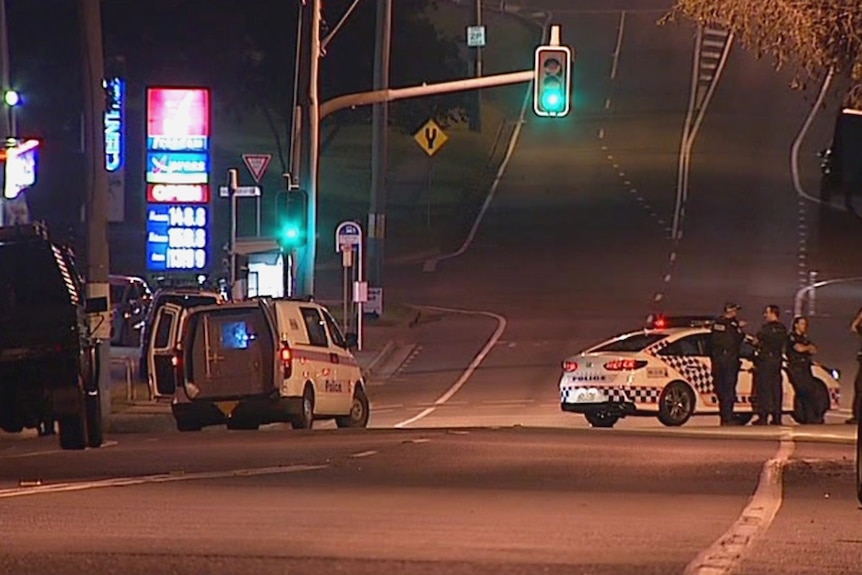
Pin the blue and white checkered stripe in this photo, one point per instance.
(616, 394)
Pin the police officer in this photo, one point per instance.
(812, 403)
(725, 342)
(771, 340)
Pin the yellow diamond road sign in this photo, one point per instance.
(430, 137)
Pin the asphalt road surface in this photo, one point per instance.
(406, 501)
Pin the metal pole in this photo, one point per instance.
(360, 275)
(476, 117)
(310, 149)
(97, 189)
(379, 146)
(5, 121)
(232, 183)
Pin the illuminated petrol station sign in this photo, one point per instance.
(178, 182)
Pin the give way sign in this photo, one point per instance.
(257, 164)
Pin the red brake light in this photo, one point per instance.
(570, 366)
(286, 360)
(625, 364)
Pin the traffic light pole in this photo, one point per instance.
(379, 145)
(5, 117)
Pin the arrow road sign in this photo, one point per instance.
(241, 191)
(257, 164)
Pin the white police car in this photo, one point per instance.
(664, 372)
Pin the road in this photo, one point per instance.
(408, 501)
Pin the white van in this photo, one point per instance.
(261, 361)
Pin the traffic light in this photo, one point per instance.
(552, 82)
(291, 219)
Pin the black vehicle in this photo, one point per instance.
(185, 298)
(47, 357)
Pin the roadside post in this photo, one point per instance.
(348, 240)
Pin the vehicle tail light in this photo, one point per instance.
(177, 364)
(570, 366)
(286, 357)
(625, 364)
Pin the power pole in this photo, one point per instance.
(379, 146)
(97, 188)
(308, 87)
(476, 116)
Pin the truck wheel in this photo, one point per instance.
(93, 409)
(73, 427)
(306, 416)
(359, 411)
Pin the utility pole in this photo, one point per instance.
(5, 121)
(476, 116)
(97, 188)
(379, 146)
(308, 85)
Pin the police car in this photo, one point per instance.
(664, 370)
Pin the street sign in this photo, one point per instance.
(241, 191)
(347, 235)
(257, 164)
(475, 36)
(430, 137)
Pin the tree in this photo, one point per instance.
(810, 36)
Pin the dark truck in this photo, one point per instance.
(48, 368)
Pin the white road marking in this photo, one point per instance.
(601, 133)
(608, 104)
(727, 551)
(150, 479)
(420, 440)
(368, 453)
(489, 345)
(619, 45)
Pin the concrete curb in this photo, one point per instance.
(382, 355)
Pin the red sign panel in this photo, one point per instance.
(178, 193)
(178, 118)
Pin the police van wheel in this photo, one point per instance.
(676, 404)
(601, 418)
(306, 415)
(359, 411)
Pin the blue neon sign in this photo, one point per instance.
(114, 138)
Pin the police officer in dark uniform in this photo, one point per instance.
(771, 340)
(725, 341)
(809, 393)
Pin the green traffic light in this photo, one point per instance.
(552, 101)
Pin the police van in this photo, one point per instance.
(245, 364)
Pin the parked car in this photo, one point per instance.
(130, 300)
(184, 298)
(261, 361)
(665, 371)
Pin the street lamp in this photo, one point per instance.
(12, 99)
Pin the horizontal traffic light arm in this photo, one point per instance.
(377, 96)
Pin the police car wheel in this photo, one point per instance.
(676, 404)
(306, 415)
(601, 418)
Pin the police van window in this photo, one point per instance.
(315, 326)
(632, 342)
(334, 330)
(163, 330)
(693, 345)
